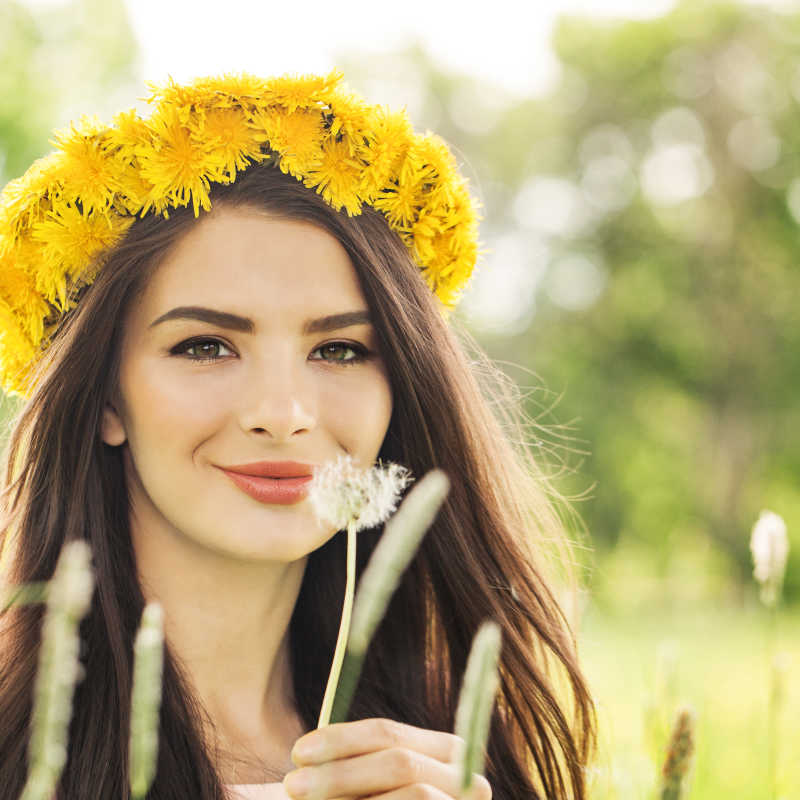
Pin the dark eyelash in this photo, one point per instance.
(361, 353)
(180, 349)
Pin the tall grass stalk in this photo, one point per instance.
(148, 667)
(68, 597)
(674, 774)
(769, 545)
(476, 700)
(400, 541)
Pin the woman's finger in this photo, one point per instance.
(347, 739)
(383, 771)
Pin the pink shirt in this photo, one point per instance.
(257, 791)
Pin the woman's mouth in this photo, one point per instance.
(272, 482)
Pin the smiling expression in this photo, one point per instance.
(251, 342)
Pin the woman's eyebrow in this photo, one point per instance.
(335, 321)
(225, 319)
(221, 318)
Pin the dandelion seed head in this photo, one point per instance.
(74, 580)
(769, 545)
(342, 493)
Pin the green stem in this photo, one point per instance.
(344, 629)
(351, 672)
(772, 708)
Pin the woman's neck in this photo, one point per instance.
(226, 621)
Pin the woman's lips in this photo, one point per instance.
(281, 491)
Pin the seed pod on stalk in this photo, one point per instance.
(148, 667)
(476, 700)
(674, 773)
(769, 545)
(69, 594)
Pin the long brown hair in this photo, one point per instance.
(482, 559)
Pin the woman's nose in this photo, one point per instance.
(279, 400)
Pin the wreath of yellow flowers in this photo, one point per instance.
(72, 206)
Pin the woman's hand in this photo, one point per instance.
(380, 759)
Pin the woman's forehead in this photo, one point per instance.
(243, 259)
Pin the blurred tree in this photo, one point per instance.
(644, 225)
(55, 63)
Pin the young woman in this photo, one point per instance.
(196, 306)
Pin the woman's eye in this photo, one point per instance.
(341, 353)
(201, 349)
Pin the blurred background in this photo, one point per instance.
(639, 169)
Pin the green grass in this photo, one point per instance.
(721, 659)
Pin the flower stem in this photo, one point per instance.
(773, 706)
(344, 629)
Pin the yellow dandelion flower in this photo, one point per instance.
(22, 251)
(70, 241)
(237, 143)
(129, 135)
(423, 232)
(88, 172)
(297, 136)
(400, 203)
(429, 161)
(17, 351)
(351, 117)
(179, 166)
(24, 200)
(176, 94)
(452, 276)
(301, 91)
(391, 138)
(18, 290)
(229, 88)
(336, 177)
(134, 190)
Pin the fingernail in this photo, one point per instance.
(298, 782)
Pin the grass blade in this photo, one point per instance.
(68, 597)
(146, 699)
(476, 700)
(24, 594)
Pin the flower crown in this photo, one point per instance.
(62, 217)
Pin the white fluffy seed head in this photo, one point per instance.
(342, 494)
(769, 545)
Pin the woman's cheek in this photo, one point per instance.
(356, 411)
(167, 405)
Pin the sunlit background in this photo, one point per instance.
(639, 169)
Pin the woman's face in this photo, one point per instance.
(231, 356)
